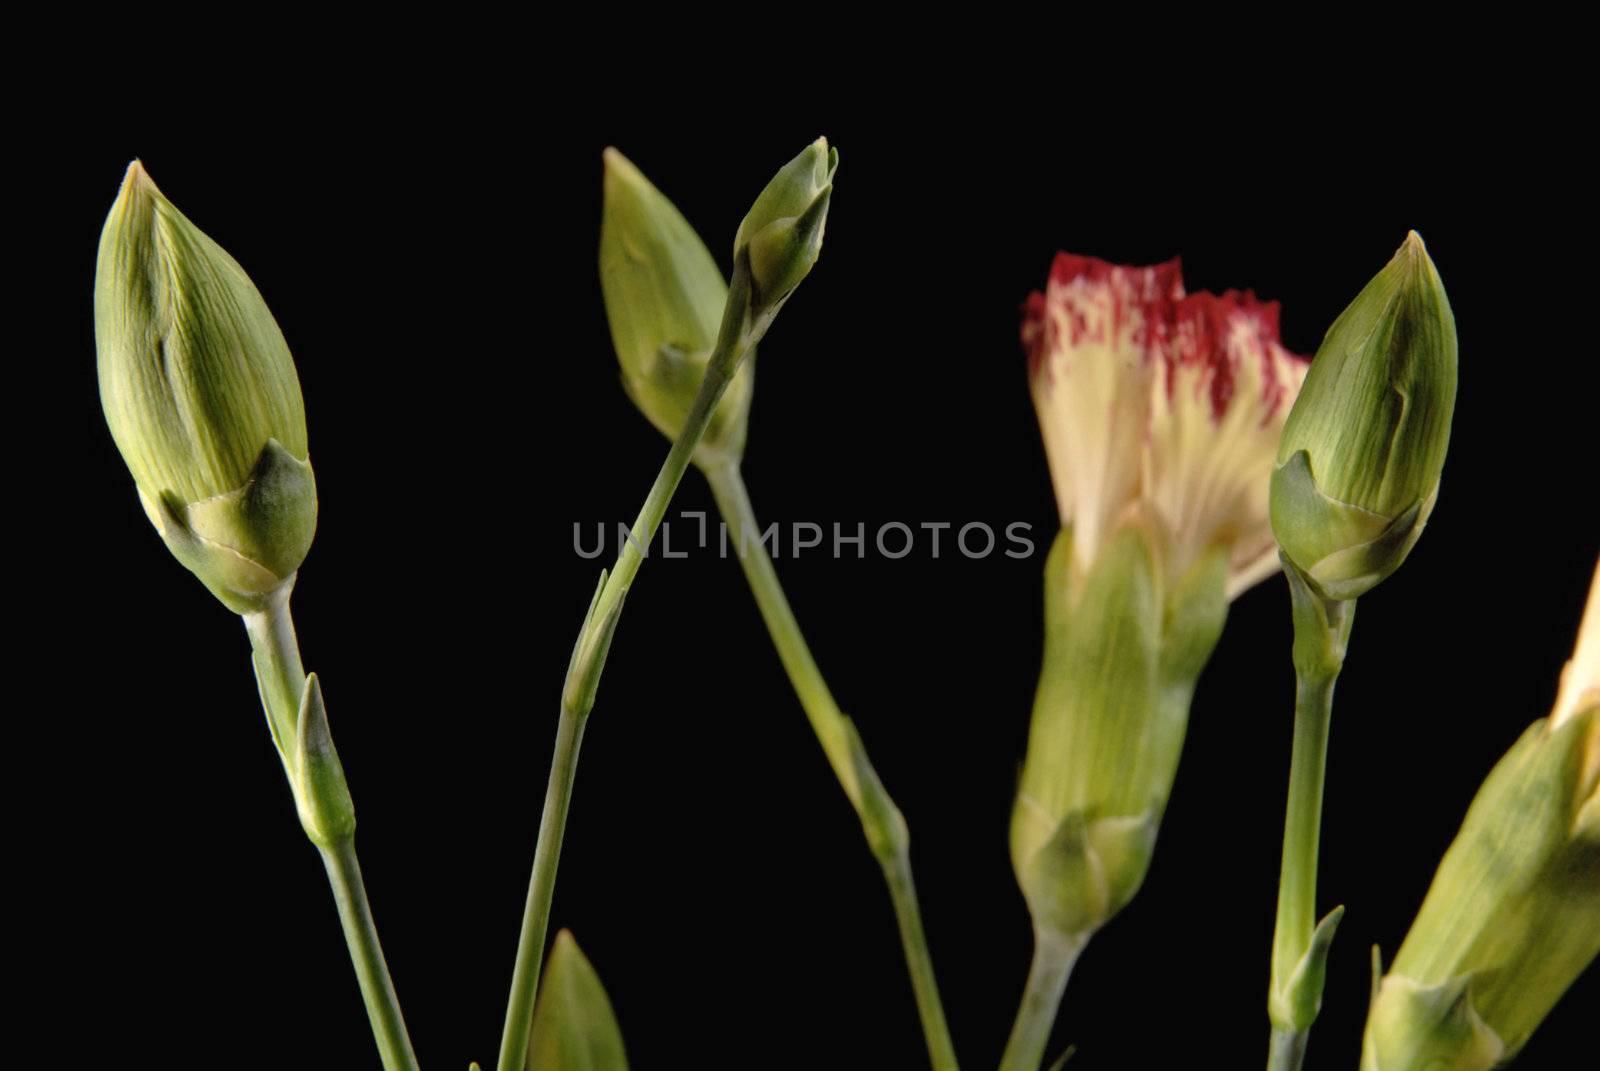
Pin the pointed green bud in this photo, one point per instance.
(664, 299)
(574, 1028)
(1362, 450)
(202, 399)
(320, 793)
(1123, 650)
(782, 232)
(1512, 917)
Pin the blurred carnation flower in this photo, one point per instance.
(1160, 414)
(1161, 407)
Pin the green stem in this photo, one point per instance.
(1299, 945)
(1286, 1050)
(881, 820)
(541, 890)
(282, 679)
(738, 334)
(1054, 956)
(361, 935)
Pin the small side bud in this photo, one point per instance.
(1363, 448)
(320, 793)
(782, 233)
(201, 396)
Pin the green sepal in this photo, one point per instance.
(244, 544)
(320, 793)
(1087, 871)
(1343, 550)
(885, 827)
(1321, 626)
(574, 1026)
(589, 653)
(1415, 1027)
(1297, 1006)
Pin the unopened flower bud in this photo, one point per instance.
(1363, 447)
(664, 300)
(201, 396)
(782, 232)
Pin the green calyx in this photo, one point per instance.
(201, 397)
(782, 232)
(574, 1027)
(1122, 654)
(1415, 1027)
(1362, 449)
(245, 544)
(1513, 915)
(664, 301)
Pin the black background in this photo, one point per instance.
(431, 258)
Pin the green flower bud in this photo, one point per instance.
(664, 299)
(1123, 650)
(574, 1027)
(1512, 917)
(201, 397)
(782, 232)
(1363, 447)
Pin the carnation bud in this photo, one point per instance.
(782, 232)
(1363, 447)
(664, 300)
(202, 399)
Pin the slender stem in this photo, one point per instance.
(1302, 825)
(1297, 878)
(282, 679)
(1054, 956)
(881, 820)
(738, 334)
(1299, 951)
(1286, 1050)
(903, 893)
(541, 891)
(377, 989)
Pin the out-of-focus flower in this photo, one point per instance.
(1513, 914)
(1363, 448)
(202, 399)
(1160, 413)
(1160, 407)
